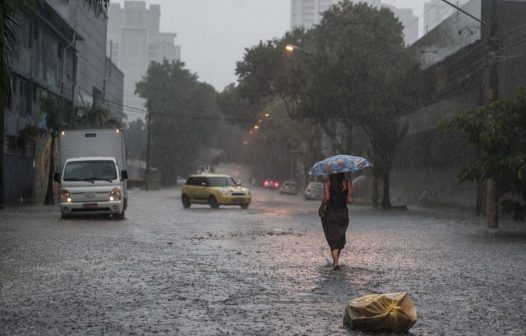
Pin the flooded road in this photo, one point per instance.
(266, 270)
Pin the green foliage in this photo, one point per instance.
(184, 117)
(498, 132)
(236, 108)
(352, 70)
(59, 115)
(278, 145)
(136, 134)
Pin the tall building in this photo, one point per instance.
(134, 40)
(308, 13)
(98, 80)
(409, 21)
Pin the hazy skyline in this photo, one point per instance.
(213, 34)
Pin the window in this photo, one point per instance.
(10, 144)
(221, 182)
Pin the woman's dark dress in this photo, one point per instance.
(336, 220)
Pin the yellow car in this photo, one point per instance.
(214, 190)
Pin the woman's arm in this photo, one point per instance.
(349, 192)
(325, 199)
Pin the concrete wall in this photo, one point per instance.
(456, 79)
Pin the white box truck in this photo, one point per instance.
(93, 173)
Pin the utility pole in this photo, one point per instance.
(492, 198)
(148, 136)
(491, 95)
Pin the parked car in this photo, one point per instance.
(214, 190)
(289, 187)
(270, 184)
(314, 191)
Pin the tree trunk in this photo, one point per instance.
(50, 197)
(492, 204)
(375, 197)
(386, 197)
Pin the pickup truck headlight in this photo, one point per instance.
(115, 194)
(65, 196)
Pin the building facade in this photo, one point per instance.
(134, 41)
(99, 81)
(410, 22)
(45, 64)
(455, 60)
(307, 13)
(436, 11)
(60, 52)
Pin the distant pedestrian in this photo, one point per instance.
(337, 193)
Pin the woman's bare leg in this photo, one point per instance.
(335, 256)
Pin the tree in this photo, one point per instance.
(10, 11)
(136, 139)
(368, 78)
(183, 114)
(350, 71)
(498, 132)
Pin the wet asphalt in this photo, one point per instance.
(166, 270)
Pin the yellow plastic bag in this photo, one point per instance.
(394, 312)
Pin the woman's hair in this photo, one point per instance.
(336, 181)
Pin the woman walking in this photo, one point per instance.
(337, 193)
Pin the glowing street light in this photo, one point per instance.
(292, 47)
(267, 115)
(256, 127)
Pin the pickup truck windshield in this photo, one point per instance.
(90, 171)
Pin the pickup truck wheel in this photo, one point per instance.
(186, 202)
(244, 206)
(213, 202)
(120, 216)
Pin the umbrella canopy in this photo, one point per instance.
(339, 164)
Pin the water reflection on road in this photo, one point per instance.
(261, 271)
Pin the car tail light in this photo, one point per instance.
(276, 184)
(266, 183)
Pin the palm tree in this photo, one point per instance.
(10, 10)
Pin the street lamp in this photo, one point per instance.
(291, 47)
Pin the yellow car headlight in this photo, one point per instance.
(65, 196)
(115, 194)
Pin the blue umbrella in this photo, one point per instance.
(339, 164)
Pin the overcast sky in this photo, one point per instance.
(213, 34)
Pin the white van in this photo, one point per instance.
(93, 173)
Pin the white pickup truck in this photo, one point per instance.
(92, 173)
